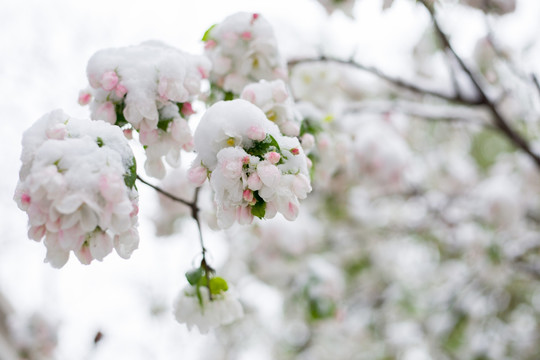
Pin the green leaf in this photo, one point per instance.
(193, 276)
(309, 127)
(99, 141)
(120, 118)
(164, 124)
(228, 96)
(131, 175)
(259, 209)
(218, 285)
(259, 148)
(206, 35)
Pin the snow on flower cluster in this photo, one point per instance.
(253, 169)
(150, 87)
(273, 98)
(194, 307)
(242, 49)
(76, 185)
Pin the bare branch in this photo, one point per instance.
(458, 98)
(501, 124)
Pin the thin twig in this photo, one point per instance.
(195, 215)
(167, 194)
(499, 120)
(536, 83)
(458, 98)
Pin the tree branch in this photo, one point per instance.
(195, 215)
(458, 98)
(501, 124)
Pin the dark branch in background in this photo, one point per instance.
(458, 98)
(536, 83)
(501, 124)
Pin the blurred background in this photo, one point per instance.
(420, 240)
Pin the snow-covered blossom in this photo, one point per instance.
(242, 49)
(273, 98)
(236, 163)
(194, 307)
(77, 187)
(150, 87)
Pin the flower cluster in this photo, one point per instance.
(77, 186)
(273, 98)
(206, 302)
(242, 49)
(150, 87)
(253, 169)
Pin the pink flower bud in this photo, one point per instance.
(210, 44)
(290, 211)
(109, 80)
(121, 90)
(189, 146)
(254, 182)
(187, 110)
(248, 195)
(106, 112)
(245, 160)
(25, 199)
(128, 133)
(197, 175)
(295, 151)
(243, 215)
(84, 97)
(249, 95)
(256, 133)
(254, 17)
(269, 174)
(57, 132)
(84, 255)
(273, 157)
(148, 137)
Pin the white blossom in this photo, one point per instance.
(203, 313)
(148, 87)
(76, 185)
(243, 49)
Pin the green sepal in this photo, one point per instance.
(194, 276)
(218, 285)
(164, 124)
(206, 35)
(259, 209)
(131, 175)
(260, 148)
